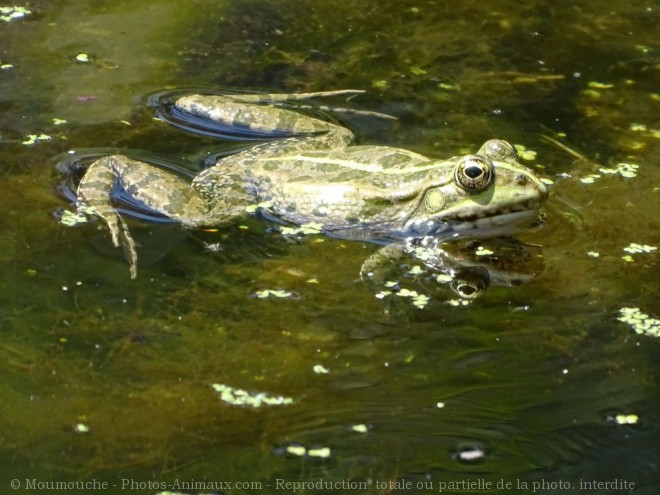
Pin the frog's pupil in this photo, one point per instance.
(473, 172)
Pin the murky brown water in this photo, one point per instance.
(109, 379)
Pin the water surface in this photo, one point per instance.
(523, 385)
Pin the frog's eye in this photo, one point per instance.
(471, 283)
(474, 173)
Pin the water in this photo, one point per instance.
(522, 386)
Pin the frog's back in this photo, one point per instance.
(356, 163)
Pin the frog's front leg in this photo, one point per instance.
(157, 189)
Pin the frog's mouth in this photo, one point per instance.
(475, 226)
(497, 225)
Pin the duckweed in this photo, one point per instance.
(319, 369)
(71, 219)
(641, 323)
(8, 14)
(296, 450)
(627, 170)
(525, 153)
(459, 302)
(240, 397)
(320, 452)
(81, 428)
(419, 300)
(626, 419)
(482, 251)
(634, 248)
(254, 208)
(33, 138)
(449, 87)
(359, 428)
(416, 270)
(600, 85)
(637, 127)
(590, 179)
(305, 228)
(263, 294)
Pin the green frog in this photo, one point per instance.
(314, 175)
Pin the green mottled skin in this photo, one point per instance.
(316, 176)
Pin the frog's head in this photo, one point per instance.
(486, 194)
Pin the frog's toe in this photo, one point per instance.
(124, 239)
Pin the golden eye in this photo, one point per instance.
(474, 173)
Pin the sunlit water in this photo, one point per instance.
(109, 379)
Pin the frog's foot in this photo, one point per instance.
(121, 236)
(94, 196)
(94, 199)
(275, 97)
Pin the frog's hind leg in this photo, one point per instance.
(260, 114)
(156, 188)
(94, 197)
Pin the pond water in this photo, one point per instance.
(540, 385)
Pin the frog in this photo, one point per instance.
(313, 173)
